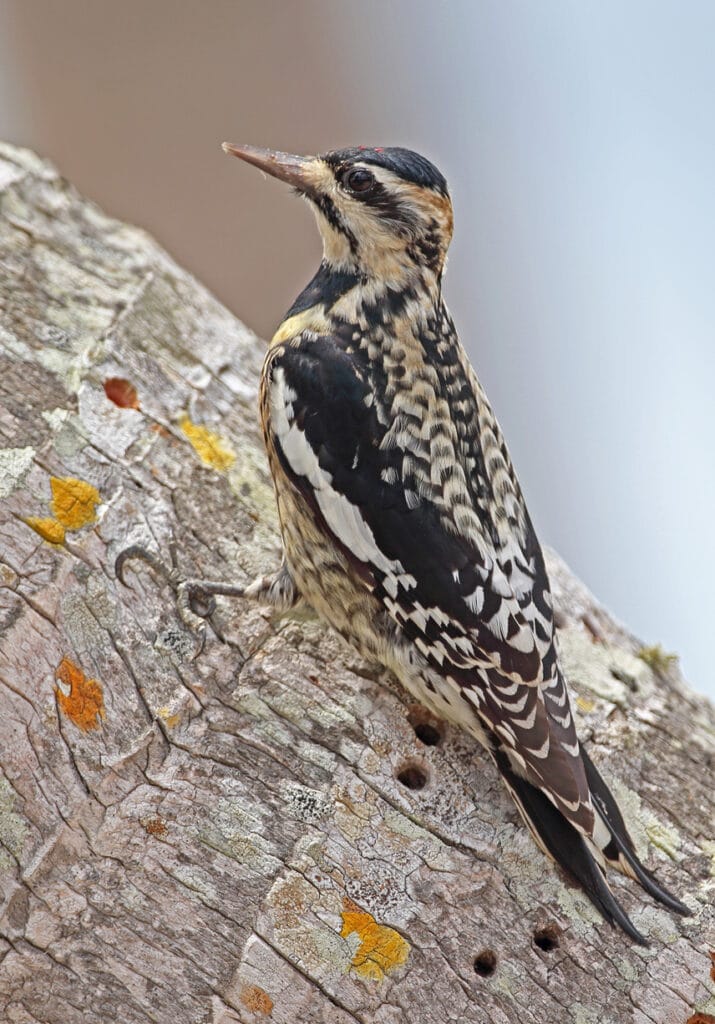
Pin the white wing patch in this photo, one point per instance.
(343, 518)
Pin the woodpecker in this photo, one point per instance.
(403, 522)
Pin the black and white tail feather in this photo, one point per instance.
(584, 858)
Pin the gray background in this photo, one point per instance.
(579, 142)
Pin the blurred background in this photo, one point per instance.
(579, 142)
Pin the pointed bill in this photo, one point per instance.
(302, 172)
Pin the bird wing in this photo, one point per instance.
(448, 593)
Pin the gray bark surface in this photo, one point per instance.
(225, 838)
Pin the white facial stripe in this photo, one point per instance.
(392, 182)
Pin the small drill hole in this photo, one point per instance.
(547, 938)
(412, 776)
(485, 963)
(428, 734)
(428, 728)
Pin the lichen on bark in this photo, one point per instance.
(226, 838)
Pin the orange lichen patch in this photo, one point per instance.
(74, 502)
(122, 392)
(84, 704)
(712, 965)
(701, 1018)
(209, 447)
(255, 999)
(381, 949)
(49, 529)
(155, 827)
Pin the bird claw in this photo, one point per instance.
(194, 598)
(193, 602)
(142, 554)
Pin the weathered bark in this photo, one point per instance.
(226, 838)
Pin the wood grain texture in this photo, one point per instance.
(225, 838)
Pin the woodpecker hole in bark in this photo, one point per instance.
(427, 734)
(413, 776)
(428, 729)
(548, 937)
(485, 963)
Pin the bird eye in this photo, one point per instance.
(357, 179)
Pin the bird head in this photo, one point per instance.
(383, 213)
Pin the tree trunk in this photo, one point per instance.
(223, 836)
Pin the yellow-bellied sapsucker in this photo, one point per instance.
(403, 522)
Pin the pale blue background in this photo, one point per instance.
(579, 141)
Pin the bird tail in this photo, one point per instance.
(584, 858)
(618, 850)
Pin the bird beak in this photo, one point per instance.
(298, 171)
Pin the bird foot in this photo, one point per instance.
(195, 599)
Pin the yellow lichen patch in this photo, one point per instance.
(209, 447)
(585, 705)
(84, 704)
(657, 659)
(256, 1000)
(74, 502)
(666, 839)
(171, 718)
(49, 529)
(381, 949)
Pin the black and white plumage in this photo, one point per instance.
(403, 522)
